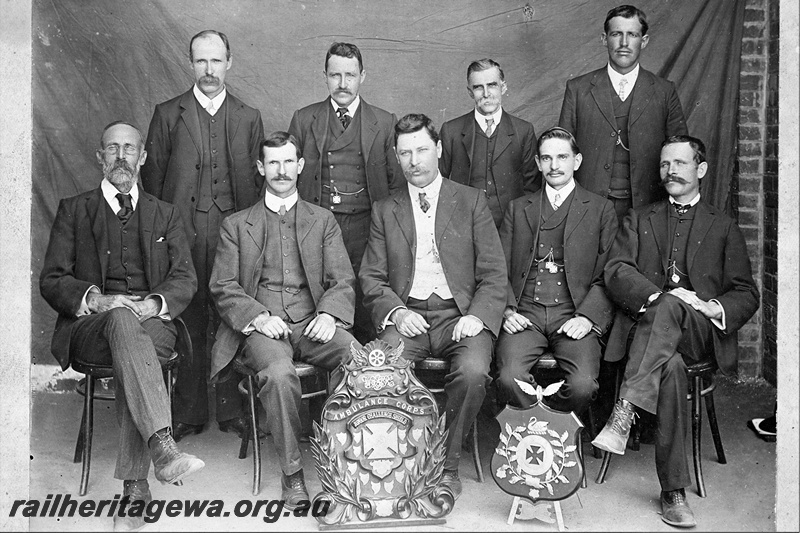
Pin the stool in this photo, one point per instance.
(248, 387)
(86, 388)
(442, 366)
(547, 365)
(702, 385)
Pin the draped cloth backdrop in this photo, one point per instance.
(97, 61)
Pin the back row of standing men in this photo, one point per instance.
(409, 244)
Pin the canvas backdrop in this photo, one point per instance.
(103, 60)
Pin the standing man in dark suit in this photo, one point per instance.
(620, 114)
(283, 285)
(203, 147)
(434, 278)
(348, 148)
(556, 242)
(680, 275)
(117, 270)
(488, 148)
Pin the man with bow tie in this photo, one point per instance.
(118, 270)
(203, 147)
(284, 288)
(680, 276)
(620, 114)
(556, 242)
(434, 277)
(348, 147)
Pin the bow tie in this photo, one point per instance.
(681, 209)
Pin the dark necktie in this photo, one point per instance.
(681, 209)
(127, 207)
(423, 203)
(343, 117)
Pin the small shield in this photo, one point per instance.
(537, 456)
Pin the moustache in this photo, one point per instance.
(209, 79)
(121, 164)
(343, 91)
(281, 177)
(673, 179)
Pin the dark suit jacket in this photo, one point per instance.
(513, 165)
(591, 226)
(175, 151)
(718, 268)
(588, 112)
(237, 271)
(310, 126)
(469, 247)
(77, 258)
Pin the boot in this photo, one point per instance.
(135, 490)
(614, 435)
(293, 489)
(169, 464)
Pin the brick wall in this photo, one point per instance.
(749, 184)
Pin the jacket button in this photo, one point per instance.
(197, 166)
(316, 198)
(613, 133)
(192, 199)
(606, 166)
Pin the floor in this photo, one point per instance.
(740, 497)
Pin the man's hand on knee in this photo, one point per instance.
(409, 323)
(321, 329)
(576, 327)
(467, 326)
(271, 326)
(514, 322)
(147, 308)
(100, 303)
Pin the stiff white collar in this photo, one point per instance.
(351, 109)
(616, 77)
(483, 119)
(691, 202)
(431, 190)
(204, 100)
(274, 203)
(563, 191)
(110, 194)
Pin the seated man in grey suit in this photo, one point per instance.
(434, 277)
(118, 269)
(680, 276)
(284, 288)
(556, 242)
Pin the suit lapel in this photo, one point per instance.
(232, 117)
(319, 126)
(575, 213)
(642, 95)
(192, 121)
(96, 211)
(444, 210)
(305, 221)
(533, 212)
(504, 135)
(369, 130)
(257, 229)
(147, 220)
(468, 137)
(405, 219)
(601, 92)
(659, 223)
(703, 219)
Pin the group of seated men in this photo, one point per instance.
(316, 244)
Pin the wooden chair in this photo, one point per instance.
(701, 386)
(87, 388)
(314, 383)
(438, 368)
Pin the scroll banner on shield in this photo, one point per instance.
(537, 457)
(379, 452)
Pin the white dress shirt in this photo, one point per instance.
(205, 100)
(274, 203)
(630, 77)
(482, 120)
(563, 192)
(351, 109)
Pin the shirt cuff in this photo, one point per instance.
(386, 321)
(83, 310)
(719, 322)
(163, 312)
(249, 328)
(650, 299)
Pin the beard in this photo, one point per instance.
(120, 174)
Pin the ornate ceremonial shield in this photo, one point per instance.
(537, 456)
(380, 450)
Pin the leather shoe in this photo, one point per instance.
(180, 430)
(135, 490)
(451, 480)
(614, 435)
(171, 465)
(237, 425)
(764, 428)
(675, 510)
(293, 490)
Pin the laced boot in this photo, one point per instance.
(675, 510)
(135, 490)
(614, 435)
(293, 489)
(170, 465)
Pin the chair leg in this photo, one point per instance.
(251, 397)
(601, 475)
(476, 456)
(579, 449)
(712, 421)
(79, 443)
(696, 429)
(246, 436)
(88, 416)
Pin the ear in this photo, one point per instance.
(645, 40)
(396, 154)
(604, 39)
(503, 87)
(261, 169)
(578, 161)
(439, 148)
(702, 168)
(230, 62)
(300, 164)
(142, 157)
(363, 75)
(99, 155)
(538, 163)
(471, 93)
